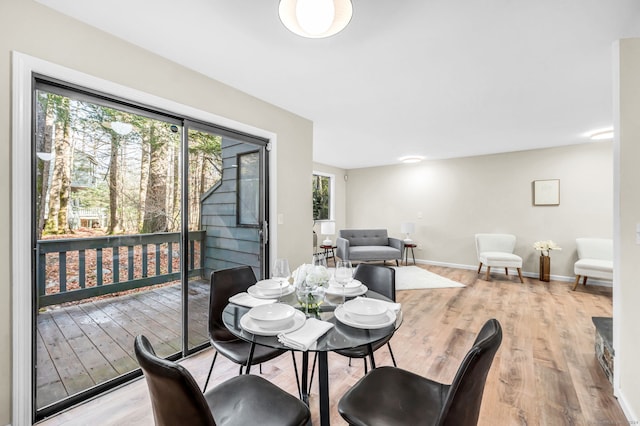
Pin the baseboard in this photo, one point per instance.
(626, 408)
(591, 281)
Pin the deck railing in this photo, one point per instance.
(76, 269)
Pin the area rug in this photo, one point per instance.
(413, 277)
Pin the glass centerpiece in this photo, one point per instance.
(310, 282)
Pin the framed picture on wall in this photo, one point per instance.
(546, 192)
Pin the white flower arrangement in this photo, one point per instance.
(545, 247)
(311, 275)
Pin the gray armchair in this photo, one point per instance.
(368, 244)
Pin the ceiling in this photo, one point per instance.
(436, 78)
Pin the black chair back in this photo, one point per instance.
(380, 279)
(175, 396)
(465, 393)
(224, 284)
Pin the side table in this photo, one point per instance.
(329, 249)
(408, 246)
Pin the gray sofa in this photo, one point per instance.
(368, 244)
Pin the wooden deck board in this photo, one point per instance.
(47, 377)
(95, 364)
(72, 374)
(81, 345)
(110, 349)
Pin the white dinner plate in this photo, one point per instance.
(269, 284)
(252, 326)
(349, 292)
(343, 317)
(260, 294)
(352, 284)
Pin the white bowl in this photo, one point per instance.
(273, 316)
(365, 311)
(268, 285)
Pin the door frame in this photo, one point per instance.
(22, 258)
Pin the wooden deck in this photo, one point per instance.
(82, 345)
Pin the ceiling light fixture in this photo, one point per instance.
(315, 18)
(600, 135)
(121, 128)
(411, 159)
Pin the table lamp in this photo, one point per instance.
(327, 228)
(407, 228)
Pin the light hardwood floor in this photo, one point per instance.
(545, 372)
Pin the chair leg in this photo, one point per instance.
(488, 271)
(575, 284)
(397, 264)
(349, 362)
(506, 271)
(479, 267)
(365, 365)
(210, 370)
(584, 280)
(240, 371)
(520, 275)
(393, 359)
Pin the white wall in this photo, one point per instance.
(35, 30)
(626, 298)
(451, 200)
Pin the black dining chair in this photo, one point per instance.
(176, 398)
(380, 279)
(224, 284)
(392, 396)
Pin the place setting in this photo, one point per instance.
(276, 287)
(272, 319)
(368, 313)
(342, 282)
(351, 289)
(270, 288)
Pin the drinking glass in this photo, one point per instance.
(281, 272)
(319, 260)
(344, 275)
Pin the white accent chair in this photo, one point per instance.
(497, 250)
(595, 259)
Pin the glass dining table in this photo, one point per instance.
(340, 336)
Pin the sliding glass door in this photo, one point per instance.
(132, 211)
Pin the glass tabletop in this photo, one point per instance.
(340, 336)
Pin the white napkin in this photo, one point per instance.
(395, 307)
(245, 299)
(303, 338)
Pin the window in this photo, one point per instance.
(322, 184)
(249, 189)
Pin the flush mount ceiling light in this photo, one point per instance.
(602, 134)
(121, 128)
(315, 18)
(411, 159)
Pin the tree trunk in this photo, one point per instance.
(44, 127)
(175, 212)
(155, 209)
(114, 170)
(60, 184)
(144, 178)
